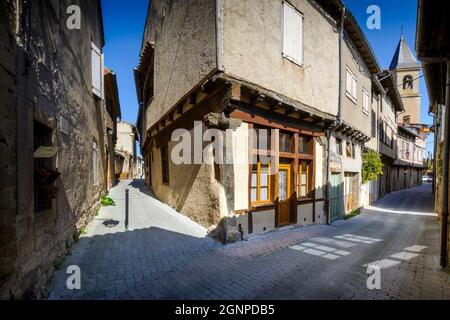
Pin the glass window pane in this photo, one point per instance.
(304, 177)
(303, 192)
(264, 182)
(304, 145)
(264, 194)
(282, 180)
(262, 139)
(285, 142)
(254, 195)
(254, 180)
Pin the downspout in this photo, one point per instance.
(339, 116)
(341, 65)
(445, 174)
(219, 65)
(434, 154)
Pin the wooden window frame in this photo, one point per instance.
(296, 158)
(257, 141)
(309, 175)
(310, 145)
(258, 201)
(339, 149)
(291, 142)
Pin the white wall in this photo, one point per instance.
(241, 167)
(252, 50)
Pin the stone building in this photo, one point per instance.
(385, 107)
(409, 166)
(433, 50)
(397, 133)
(280, 91)
(53, 136)
(359, 68)
(411, 142)
(112, 114)
(126, 149)
(407, 70)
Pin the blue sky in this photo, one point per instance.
(124, 25)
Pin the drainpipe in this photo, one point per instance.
(341, 66)
(219, 35)
(445, 173)
(339, 117)
(434, 154)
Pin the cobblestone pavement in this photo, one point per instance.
(171, 258)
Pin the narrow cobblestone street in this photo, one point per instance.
(166, 256)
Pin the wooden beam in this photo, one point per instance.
(276, 106)
(258, 99)
(236, 91)
(272, 122)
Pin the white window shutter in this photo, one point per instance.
(349, 82)
(97, 71)
(292, 33)
(354, 88)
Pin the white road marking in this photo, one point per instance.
(406, 256)
(362, 238)
(334, 242)
(297, 248)
(383, 264)
(314, 252)
(415, 251)
(330, 256)
(320, 250)
(416, 248)
(354, 239)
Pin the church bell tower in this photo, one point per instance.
(407, 72)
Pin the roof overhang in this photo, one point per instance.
(111, 81)
(433, 46)
(355, 33)
(387, 80)
(408, 131)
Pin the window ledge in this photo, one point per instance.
(262, 205)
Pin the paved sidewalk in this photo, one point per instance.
(111, 260)
(317, 262)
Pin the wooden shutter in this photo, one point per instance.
(97, 72)
(292, 33)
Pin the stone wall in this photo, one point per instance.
(8, 136)
(45, 75)
(184, 36)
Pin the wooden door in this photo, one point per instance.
(284, 195)
(350, 193)
(335, 196)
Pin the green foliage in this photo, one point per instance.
(107, 201)
(372, 166)
(353, 214)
